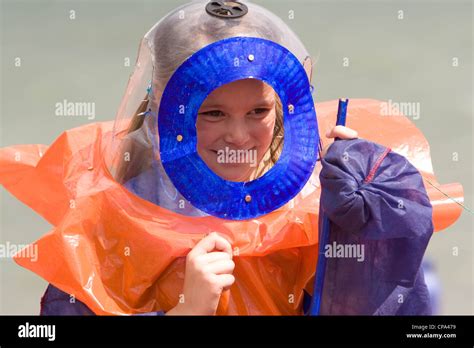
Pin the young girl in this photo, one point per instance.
(146, 249)
(249, 117)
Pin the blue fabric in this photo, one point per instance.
(388, 217)
(57, 302)
(306, 302)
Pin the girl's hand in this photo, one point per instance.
(208, 273)
(340, 132)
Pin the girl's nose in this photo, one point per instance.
(237, 133)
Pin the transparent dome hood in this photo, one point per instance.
(192, 51)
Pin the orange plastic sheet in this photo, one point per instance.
(120, 254)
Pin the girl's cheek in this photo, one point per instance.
(202, 130)
(264, 130)
(208, 132)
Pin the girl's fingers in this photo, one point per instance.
(342, 132)
(339, 132)
(215, 256)
(225, 280)
(221, 267)
(210, 243)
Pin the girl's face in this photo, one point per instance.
(235, 128)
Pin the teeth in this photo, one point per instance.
(253, 148)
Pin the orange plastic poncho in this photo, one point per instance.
(120, 254)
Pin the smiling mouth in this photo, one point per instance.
(229, 149)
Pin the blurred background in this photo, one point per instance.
(405, 51)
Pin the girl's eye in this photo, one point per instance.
(212, 113)
(215, 114)
(260, 112)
